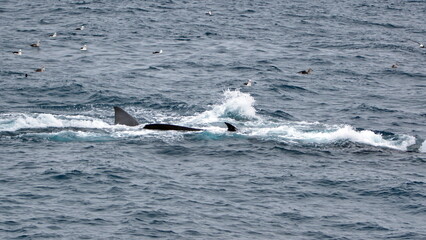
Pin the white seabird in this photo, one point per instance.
(421, 45)
(157, 52)
(19, 52)
(53, 35)
(84, 48)
(209, 13)
(42, 69)
(37, 44)
(80, 28)
(249, 83)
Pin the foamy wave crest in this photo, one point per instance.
(235, 105)
(20, 121)
(334, 134)
(423, 147)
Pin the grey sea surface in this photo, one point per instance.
(339, 153)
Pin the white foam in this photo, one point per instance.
(333, 134)
(20, 121)
(235, 105)
(423, 147)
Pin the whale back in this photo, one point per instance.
(165, 127)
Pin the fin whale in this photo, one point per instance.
(165, 127)
(123, 118)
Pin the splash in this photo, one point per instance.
(234, 106)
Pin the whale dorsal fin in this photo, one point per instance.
(231, 128)
(123, 118)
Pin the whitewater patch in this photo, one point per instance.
(301, 133)
(14, 122)
(235, 106)
(423, 147)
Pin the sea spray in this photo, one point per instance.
(235, 105)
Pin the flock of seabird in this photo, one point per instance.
(83, 48)
(37, 45)
(309, 70)
(209, 13)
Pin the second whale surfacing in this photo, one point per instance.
(123, 118)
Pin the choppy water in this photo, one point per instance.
(337, 154)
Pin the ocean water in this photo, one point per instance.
(336, 154)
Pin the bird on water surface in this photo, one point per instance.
(37, 44)
(249, 83)
(19, 52)
(306, 71)
(421, 45)
(42, 69)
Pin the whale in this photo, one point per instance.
(124, 118)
